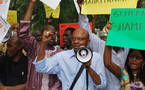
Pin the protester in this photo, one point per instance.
(65, 64)
(13, 66)
(67, 38)
(12, 33)
(132, 75)
(119, 55)
(37, 81)
(15, 27)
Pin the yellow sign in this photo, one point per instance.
(12, 17)
(105, 6)
(52, 13)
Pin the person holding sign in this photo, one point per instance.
(118, 54)
(132, 75)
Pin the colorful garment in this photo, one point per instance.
(34, 79)
(125, 82)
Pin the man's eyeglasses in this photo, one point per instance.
(80, 39)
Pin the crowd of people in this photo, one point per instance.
(35, 61)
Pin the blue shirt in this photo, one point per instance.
(66, 66)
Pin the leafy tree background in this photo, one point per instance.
(68, 14)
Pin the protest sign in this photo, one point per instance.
(51, 3)
(105, 6)
(12, 17)
(128, 28)
(52, 13)
(4, 6)
(77, 6)
(4, 27)
(64, 26)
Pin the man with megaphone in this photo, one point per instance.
(68, 68)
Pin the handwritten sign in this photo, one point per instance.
(4, 27)
(4, 6)
(52, 13)
(128, 28)
(51, 3)
(105, 6)
(12, 17)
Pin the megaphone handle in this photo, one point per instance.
(76, 77)
(87, 79)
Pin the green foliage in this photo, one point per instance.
(143, 3)
(68, 14)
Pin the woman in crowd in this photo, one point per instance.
(131, 76)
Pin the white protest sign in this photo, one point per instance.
(77, 6)
(4, 6)
(4, 27)
(51, 3)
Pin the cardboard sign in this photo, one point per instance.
(64, 26)
(12, 17)
(4, 6)
(105, 6)
(4, 27)
(52, 13)
(128, 28)
(51, 3)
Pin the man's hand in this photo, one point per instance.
(108, 26)
(87, 64)
(46, 37)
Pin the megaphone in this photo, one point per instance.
(84, 54)
(7, 36)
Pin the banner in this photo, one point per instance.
(64, 26)
(12, 17)
(4, 6)
(128, 28)
(51, 3)
(52, 13)
(4, 27)
(105, 6)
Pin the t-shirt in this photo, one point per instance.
(13, 73)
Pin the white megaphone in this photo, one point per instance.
(7, 36)
(4, 30)
(84, 54)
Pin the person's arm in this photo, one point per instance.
(28, 14)
(84, 22)
(93, 23)
(112, 67)
(95, 77)
(139, 4)
(96, 71)
(96, 44)
(46, 37)
(46, 65)
(29, 42)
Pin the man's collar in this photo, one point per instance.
(72, 53)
